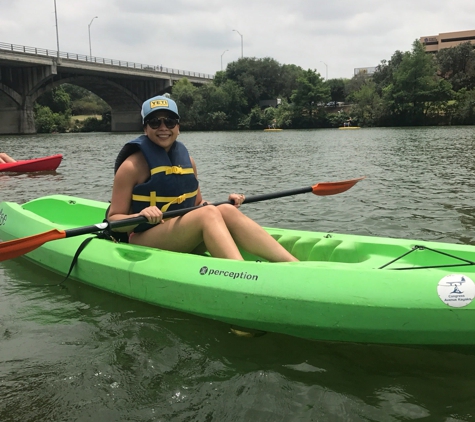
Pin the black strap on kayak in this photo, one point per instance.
(105, 234)
(84, 243)
(421, 248)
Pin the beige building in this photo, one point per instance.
(434, 43)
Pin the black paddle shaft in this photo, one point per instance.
(248, 200)
(176, 213)
(104, 225)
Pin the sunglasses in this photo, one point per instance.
(169, 122)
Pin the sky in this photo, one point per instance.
(332, 37)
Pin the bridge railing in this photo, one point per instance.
(100, 60)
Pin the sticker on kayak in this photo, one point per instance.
(456, 290)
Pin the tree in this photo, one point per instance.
(337, 89)
(355, 84)
(367, 104)
(207, 110)
(183, 93)
(457, 65)
(48, 122)
(236, 102)
(289, 75)
(415, 89)
(84, 101)
(211, 106)
(384, 74)
(261, 79)
(57, 100)
(256, 118)
(284, 115)
(220, 78)
(310, 91)
(463, 109)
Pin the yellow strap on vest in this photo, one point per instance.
(153, 199)
(171, 170)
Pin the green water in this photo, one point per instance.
(82, 354)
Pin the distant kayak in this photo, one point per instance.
(349, 127)
(273, 130)
(49, 163)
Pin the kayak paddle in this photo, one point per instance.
(17, 247)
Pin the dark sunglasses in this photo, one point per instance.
(169, 122)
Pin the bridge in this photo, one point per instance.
(28, 72)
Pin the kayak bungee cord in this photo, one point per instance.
(422, 248)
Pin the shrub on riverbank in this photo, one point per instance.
(53, 111)
(48, 122)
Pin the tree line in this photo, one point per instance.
(413, 88)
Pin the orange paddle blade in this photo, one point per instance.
(332, 188)
(17, 247)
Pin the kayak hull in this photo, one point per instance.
(338, 291)
(49, 163)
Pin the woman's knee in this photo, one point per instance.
(228, 210)
(209, 214)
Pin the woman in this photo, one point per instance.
(155, 173)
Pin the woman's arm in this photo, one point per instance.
(199, 198)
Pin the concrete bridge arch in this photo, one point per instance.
(124, 97)
(29, 73)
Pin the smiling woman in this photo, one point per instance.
(155, 173)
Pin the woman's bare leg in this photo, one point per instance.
(221, 229)
(5, 158)
(252, 237)
(184, 234)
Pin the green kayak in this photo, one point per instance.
(346, 287)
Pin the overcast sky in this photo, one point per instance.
(197, 35)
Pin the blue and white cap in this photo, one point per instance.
(159, 103)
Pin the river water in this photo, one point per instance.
(80, 354)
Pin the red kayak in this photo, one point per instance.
(49, 163)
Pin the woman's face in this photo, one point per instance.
(159, 133)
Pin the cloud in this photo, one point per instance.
(192, 34)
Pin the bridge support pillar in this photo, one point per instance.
(27, 117)
(126, 121)
(16, 119)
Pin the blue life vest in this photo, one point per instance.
(172, 184)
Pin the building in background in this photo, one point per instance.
(367, 71)
(434, 43)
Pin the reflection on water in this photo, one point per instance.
(77, 353)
